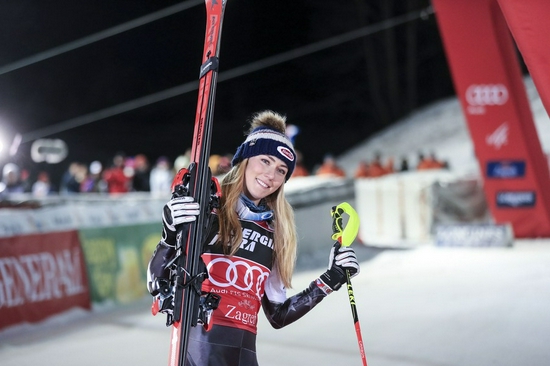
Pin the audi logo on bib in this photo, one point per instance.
(240, 274)
(479, 96)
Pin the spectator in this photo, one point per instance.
(72, 178)
(362, 170)
(141, 178)
(375, 167)
(429, 162)
(404, 166)
(11, 180)
(25, 180)
(117, 181)
(93, 181)
(161, 178)
(42, 186)
(329, 168)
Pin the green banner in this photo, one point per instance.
(116, 260)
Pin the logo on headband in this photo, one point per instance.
(286, 152)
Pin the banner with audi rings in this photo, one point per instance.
(489, 83)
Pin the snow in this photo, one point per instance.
(427, 306)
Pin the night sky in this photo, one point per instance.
(328, 94)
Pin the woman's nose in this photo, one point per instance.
(270, 172)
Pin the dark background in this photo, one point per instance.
(338, 96)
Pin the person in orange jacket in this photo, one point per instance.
(329, 168)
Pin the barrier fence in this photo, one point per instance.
(65, 252)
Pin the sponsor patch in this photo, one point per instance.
(505, 169)
(286, 152)
(516, 199)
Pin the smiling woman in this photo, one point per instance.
(249, 251)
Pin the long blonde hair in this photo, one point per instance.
(230, 232)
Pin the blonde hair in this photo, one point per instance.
(230, 232)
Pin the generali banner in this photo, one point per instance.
(41, 275)
(488, 81)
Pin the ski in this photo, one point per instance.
(196, 182)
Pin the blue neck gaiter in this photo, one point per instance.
(246, 209)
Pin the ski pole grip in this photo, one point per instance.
(344, 235)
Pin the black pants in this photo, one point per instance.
(221, 346)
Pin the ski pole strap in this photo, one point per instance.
(344, 235)
(211, 63)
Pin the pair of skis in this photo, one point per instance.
(196, 182)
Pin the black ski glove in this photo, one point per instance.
(340, 259)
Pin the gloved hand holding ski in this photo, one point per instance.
(179, 210)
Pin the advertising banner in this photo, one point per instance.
(489, 84)
(473, 235)
(41, 275)
(117, 258)
(528, 22)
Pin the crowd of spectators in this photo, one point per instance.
(123, 174)
(136, 174)
(373, 168)
(377, 168)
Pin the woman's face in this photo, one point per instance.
(264, 174)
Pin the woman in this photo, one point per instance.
(250, 251)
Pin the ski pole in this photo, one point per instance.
(346, 236)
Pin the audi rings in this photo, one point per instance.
(239, 274)
(486, 94)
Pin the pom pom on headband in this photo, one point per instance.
(267, 137)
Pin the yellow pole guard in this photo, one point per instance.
(347, 235)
